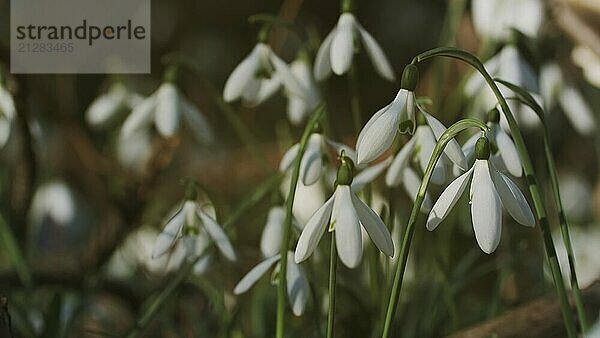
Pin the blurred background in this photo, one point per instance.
(81, 208)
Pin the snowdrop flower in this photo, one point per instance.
(504, 153)
(259, 76)
(7, 114)
(107, 106)
(190, 223)
(344, 212)
(490, 189)
(134, 150)
(510, 66)
(338, 47)
(494, 19)
(556, 90)
(379, 132)
(298, 107)
(312, 161)
(589, 61)
(270, 240)
(586, 250)
(298, 288)
(165, 108)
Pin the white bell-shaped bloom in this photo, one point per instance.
(165, 108)
(493, 19)
(108, 106)
(270, 240)
(344, 213)
(298, 107)
(311, 166)
(186, 223)
(298, 289)
(510, 66)
(134, 150)
(7, 114)
(337, 50)
(589, 61)
(187, 249)
(259, 76)
(556, 89)
(490, 190)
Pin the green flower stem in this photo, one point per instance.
(332, 279)
(287, 225)
(448, 135)
(353, 85)
(534, 189)
(525, 98)
(15, 255)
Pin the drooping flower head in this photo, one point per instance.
(494, 19)
(490, 190)
(338, 48)
(108, 106)
(299, 107)
(344, 213)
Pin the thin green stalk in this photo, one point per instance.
(287, 225)
(354, 98)
(534, 189)
(332, 279)
(15, 255)
(449, 134)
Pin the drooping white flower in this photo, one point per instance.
(337, 50)
(490, 190)
(7, 114)
(134, 150)
(555, 89)
(298, 289)
(589, 61)
(259, 76)
(311, 165)
(493, 19)
(510, 66)
(188, 223)
(108, 106)
(165, 108)
(344, 212)
(298, 107)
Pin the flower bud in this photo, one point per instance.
(410, 77)
(482, 148)
(190, 191)
(345, 171)
(494, 116)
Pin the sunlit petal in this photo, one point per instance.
(241, 75)
(255, 274)
(270, 240)
(342, 46)
(217, 234)
(313, 231)
(323, 60)
(348, 237)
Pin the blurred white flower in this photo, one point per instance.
(259, 76)
(556, 89)
(108, 106)
(134, 150)
(490, 190)
(344, 212)
(189, 223)
(298, 107)
(337, 50)
(54, 200)
(584, 57)
(165, 108)
(307, 200)
(510, 66)
(493, 19)
(577, 196)
(311, 165)
(298, 289)
(586, 250)
(270, 240)
(7, 114)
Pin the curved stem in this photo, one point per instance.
(287, 225)
(332, 279)
(410, 227)
(534, 189)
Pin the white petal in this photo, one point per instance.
(4, 130)
(296, 110)
(476, 82)
(412, 183)
(7, 104)
(577, 110)
(486, 210)
(348, 238)
(339, 147)
(322, 60)
(468, 148)
(251, 91)
(202, 265)
(217, 234)
(266, 89)
(426, 144)
(369, 174)
(377, 230)
(508, 151)
(167, 237)
(168, 110)
(342, 46)
(447, 200)
(512, 198)
(289, 80)
(255, 274)
(485, 17)
(270, 240)
(313, 231)
(376, 54)
(452, 149)
(197, 122)
(394, 174)
(377, 135)
(241, 75)
(105, 107)
(310, 168)
(140, 117)
(550, 83)
(298, 288)
(288, 158)
(408, 114)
